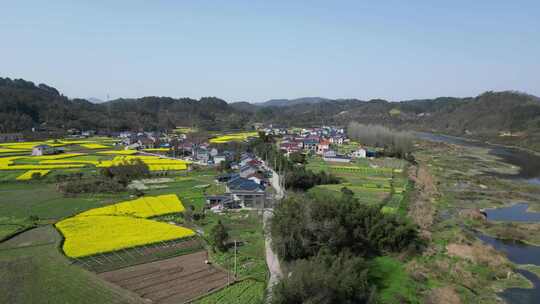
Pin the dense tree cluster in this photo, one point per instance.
(326, 241)
(302, 179)
(112, 179)
(302, 226)
(326, 278)
(219, 237)
(127, 171)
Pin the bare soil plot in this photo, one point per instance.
(174, 280)
(138, 255)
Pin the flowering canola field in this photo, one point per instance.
(233, 137)
(94, 146)
(146, 206)
(118, 152)
(87, 235)
(154, 163)
(28, 174)
(121, 225)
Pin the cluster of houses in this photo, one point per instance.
(246, 187)
(320, 141)
(178, 145)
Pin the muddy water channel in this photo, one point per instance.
(517, 252)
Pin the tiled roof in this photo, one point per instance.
(244, 184)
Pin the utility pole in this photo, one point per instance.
(228, 276)
(235, 274)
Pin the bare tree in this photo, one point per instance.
(399, 143)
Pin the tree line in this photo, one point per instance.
(394, 143)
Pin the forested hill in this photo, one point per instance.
(503, 117)
(508, 117)
(24, 105)
(489, 112)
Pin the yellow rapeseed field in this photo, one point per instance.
(94, 146)
(87, 235)
(28, 174)
(38, 167)
(28, 145)
(118, 152)
(156, 150)
(233, 137)
(5, 150)
(61, 161)
(146, 206)
(56, 156)
(154, 163)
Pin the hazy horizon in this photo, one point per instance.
(257, 51)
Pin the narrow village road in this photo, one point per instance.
(272, 259)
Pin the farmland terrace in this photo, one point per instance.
(174, 280)
(40, 265)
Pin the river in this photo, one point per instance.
(517, 252)
(528, 163)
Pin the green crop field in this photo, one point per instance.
(246, 228)
(32, 270)
(246, 291)
(32, 262)
(372, 181)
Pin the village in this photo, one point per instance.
(247, 181)
(247, 178)
(204, 179)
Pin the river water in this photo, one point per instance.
(528, 163)
(516, 252)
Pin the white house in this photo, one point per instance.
(219, 159)
(43, 150)
(337, 159)
(337, 140)
(360, 153)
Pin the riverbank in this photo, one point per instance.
(477, 140)
(469, 178)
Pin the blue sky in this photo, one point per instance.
(258, 50)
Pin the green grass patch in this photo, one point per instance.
(393, 282)
(38, 273)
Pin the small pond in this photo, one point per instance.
(514, 213)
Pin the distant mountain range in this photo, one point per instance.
(292, 102)
(505, 117)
